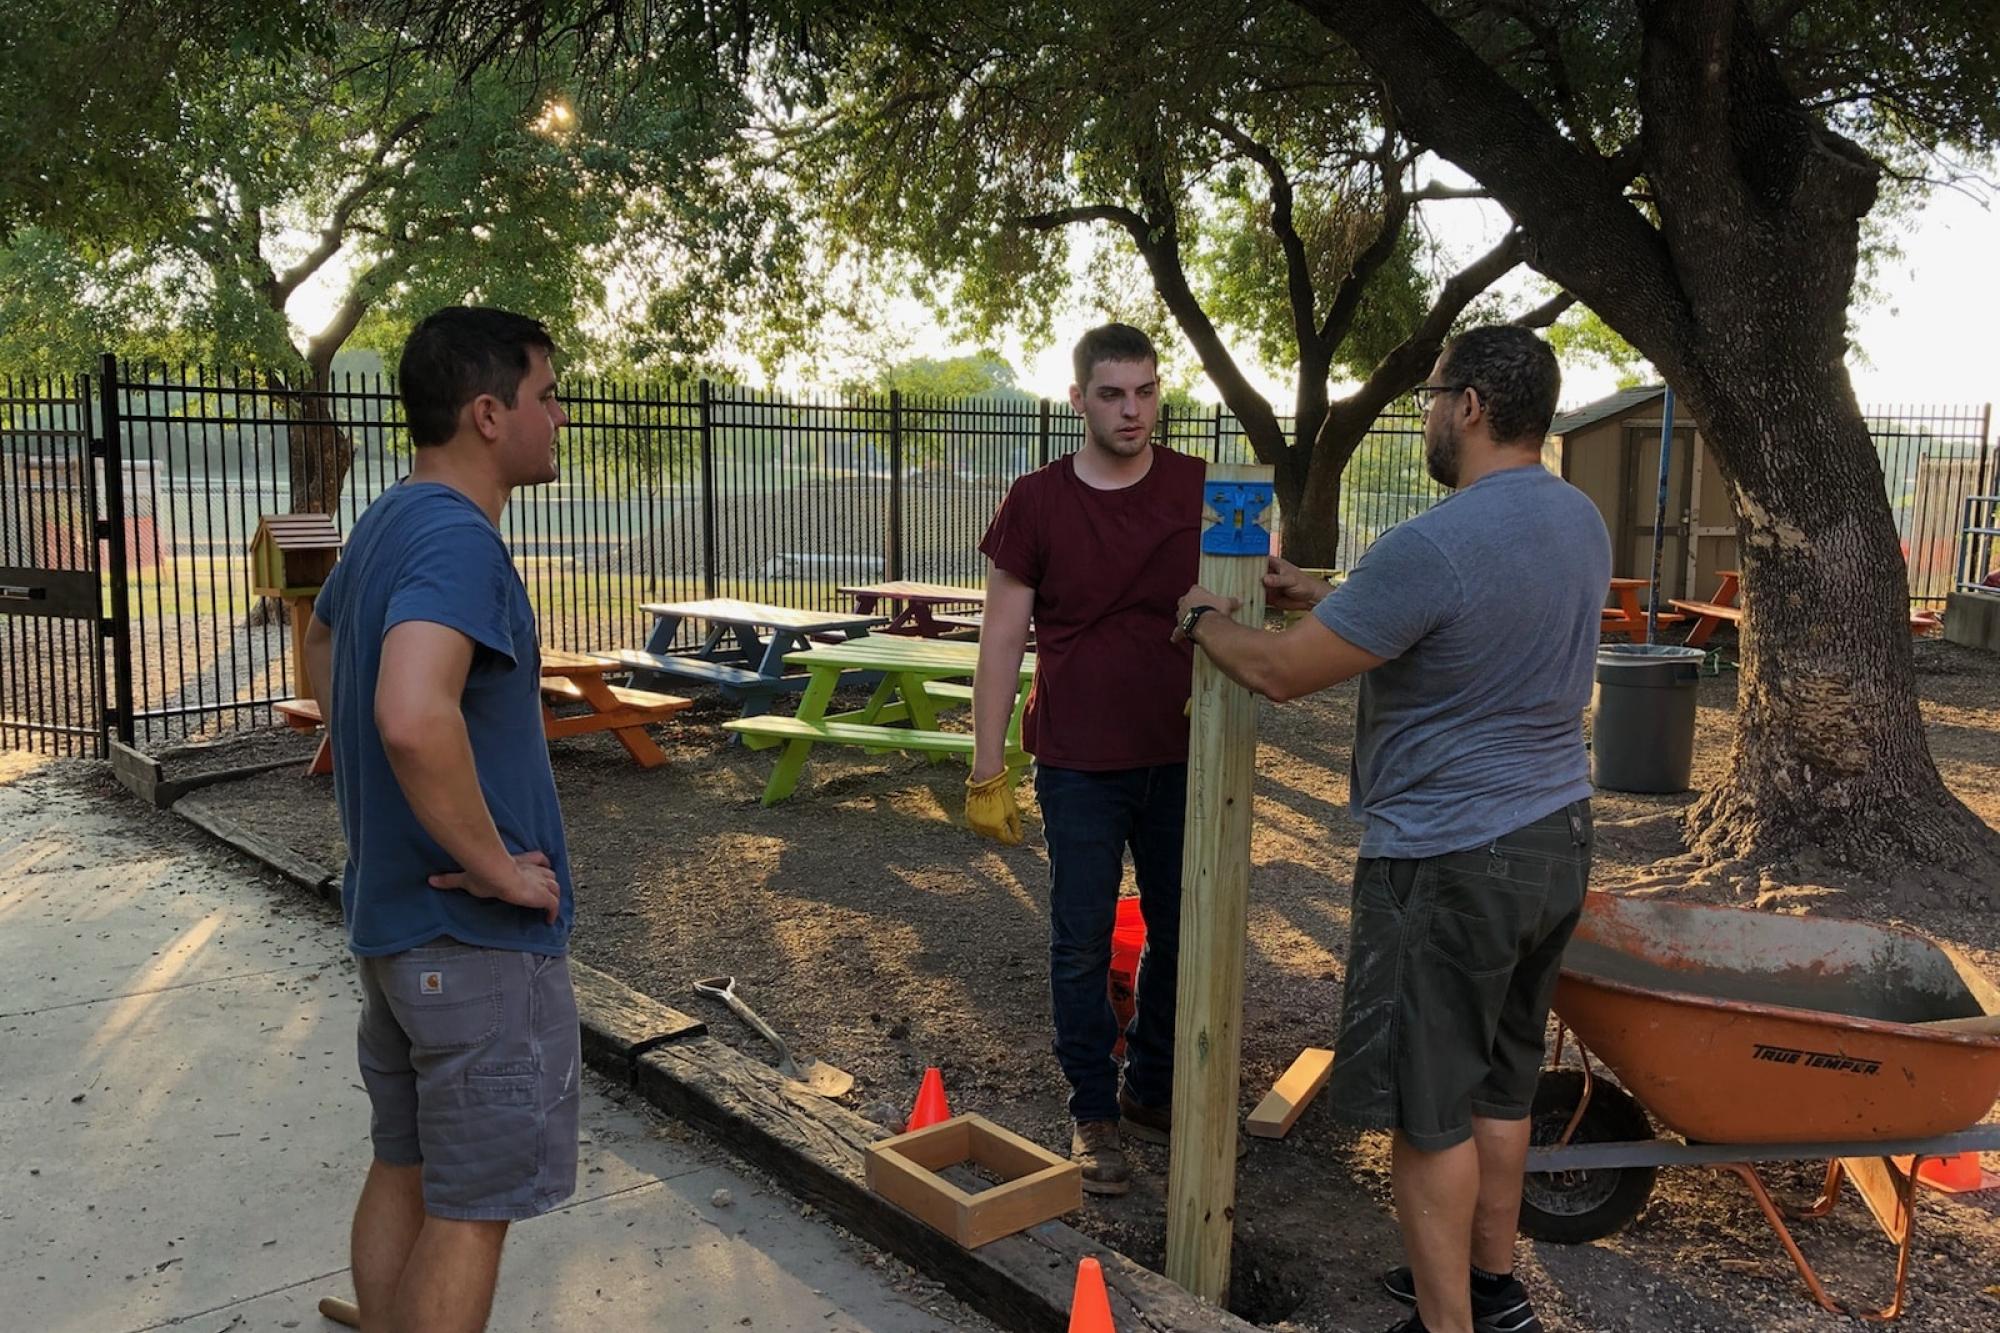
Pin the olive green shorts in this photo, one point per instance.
(1451, 968)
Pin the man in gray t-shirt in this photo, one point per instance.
(1474, 629)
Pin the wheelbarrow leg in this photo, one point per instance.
(1904, 1184)
(1829, 1193)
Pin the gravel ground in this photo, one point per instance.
(875, 932)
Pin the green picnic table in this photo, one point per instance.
(918, 676)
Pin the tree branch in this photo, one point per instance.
(1545, 314)
(1069, 217)
(1298, 268)
(1406, 364)
(1586, 235)
(335, 233)
(1439, 190)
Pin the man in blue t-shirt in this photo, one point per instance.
(1474, 629)
(456, 892)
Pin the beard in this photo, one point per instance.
(1441, 451)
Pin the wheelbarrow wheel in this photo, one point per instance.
(1572, 1207)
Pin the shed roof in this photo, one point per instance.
(1604, 408)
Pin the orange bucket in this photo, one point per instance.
(1128, 937)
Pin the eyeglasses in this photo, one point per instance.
(1426, 394)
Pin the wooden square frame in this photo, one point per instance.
(1036, 1184)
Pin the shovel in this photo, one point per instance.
(820, 1077)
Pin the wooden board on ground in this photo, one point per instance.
(1290, 1096)
(620, 1024)
(1035, 1184)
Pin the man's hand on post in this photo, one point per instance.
(1289, 588)
(990, 810)
(1200, 596)
(527, 882)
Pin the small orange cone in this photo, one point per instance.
(931, 1106)
(1957, 1174)
(1090, 1308)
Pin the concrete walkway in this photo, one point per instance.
(182, 1131)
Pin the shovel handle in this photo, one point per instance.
(727, 994)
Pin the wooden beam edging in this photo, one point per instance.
(816, 1147)
(812, 1145)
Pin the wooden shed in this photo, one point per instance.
(1610, 450)
(292, 554)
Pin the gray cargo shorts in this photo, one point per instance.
(471, 1058)
(1452, 963)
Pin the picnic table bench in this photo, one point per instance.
(743, 650)
(567, 678)
(916, 677)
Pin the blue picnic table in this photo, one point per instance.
(743, 646)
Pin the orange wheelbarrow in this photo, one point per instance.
(1758, 1038)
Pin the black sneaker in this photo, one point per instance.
(1504, 1311)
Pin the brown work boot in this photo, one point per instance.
(1094, 1145)
(1144, 1122)
(1156, 1124)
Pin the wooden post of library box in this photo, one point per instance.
(290, 557)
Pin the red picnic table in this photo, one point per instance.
(920, 608)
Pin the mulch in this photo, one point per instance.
(874, 931)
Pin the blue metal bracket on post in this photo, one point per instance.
(1238, 505)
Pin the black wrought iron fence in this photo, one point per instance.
(665, 493)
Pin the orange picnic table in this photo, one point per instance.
(1722, 606)
(1628, 617)
(566, 678)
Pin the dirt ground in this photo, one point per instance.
(871, 928)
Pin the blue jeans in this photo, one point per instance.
(1090, 819)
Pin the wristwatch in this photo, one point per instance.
(1186, 628)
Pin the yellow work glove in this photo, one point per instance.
(990, 810)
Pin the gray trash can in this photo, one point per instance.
(1642, 718)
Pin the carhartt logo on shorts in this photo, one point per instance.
(431, 983)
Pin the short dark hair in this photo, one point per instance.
(1110, 342)
(1514, 373)
(458, 353)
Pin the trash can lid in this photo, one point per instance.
(1634, 654)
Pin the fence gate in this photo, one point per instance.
(53, 630)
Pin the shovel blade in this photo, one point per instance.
(825, 1079)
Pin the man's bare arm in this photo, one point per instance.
(422, 676)
(319, 668)
(1003, 639)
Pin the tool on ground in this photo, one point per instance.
(931, 1107)
(340, 1312)
(821, 1077)
(1090, 1308)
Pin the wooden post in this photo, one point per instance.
(1215, 883)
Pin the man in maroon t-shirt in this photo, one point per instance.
(1096, 549)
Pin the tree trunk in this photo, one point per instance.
(1829, 756)
(319, 449)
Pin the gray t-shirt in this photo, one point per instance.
(1487, 607)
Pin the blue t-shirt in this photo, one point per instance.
(1487, 607)
(423, 551)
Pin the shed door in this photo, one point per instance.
(1639, 499)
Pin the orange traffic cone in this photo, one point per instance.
(1957, 1174)
(931, 1106)
(1090, 1309)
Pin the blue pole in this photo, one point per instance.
(1660, 512)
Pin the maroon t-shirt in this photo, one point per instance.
(1108, 569)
